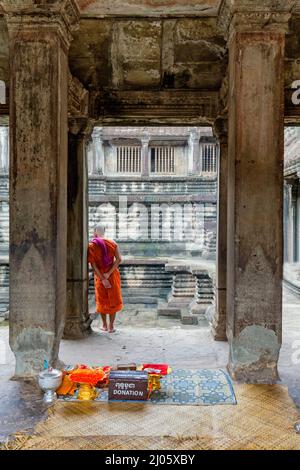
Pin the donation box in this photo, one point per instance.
(128, 385)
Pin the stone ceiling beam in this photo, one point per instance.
(147, 8)
(156, 107)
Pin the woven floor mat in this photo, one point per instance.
(263, 419)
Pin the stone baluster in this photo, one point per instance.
(98, 165)
(194, 157)
(4, 150)
(145, 156)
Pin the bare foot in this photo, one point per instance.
(104, 328)
(112, 330)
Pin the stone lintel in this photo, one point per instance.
(135, 107)
(25, 17)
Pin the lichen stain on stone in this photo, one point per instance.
(31, 347)
(31, 247)
(256, 261)
(32, 339)
(254, 344)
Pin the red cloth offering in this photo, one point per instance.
(161, 368)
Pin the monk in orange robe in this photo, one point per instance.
(105, 258)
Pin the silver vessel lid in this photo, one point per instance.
(50, 373)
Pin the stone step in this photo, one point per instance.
(146, 276)
(145, 283)
(139, 300)
(164, 310)
(189, 282)
(148, 291)
(187, 318)
(183, 292)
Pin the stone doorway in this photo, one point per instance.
(155, 189)
(141, 314)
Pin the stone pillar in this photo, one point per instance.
(99, 160)
(78, 320)
(4, 150)
(194, 158)
(255, 196)
(290, 219)
(145, 156)
(298, 221)
(219, 320)
(294, 213)
(286, 223)
(39, 45)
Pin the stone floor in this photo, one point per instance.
(289, 361)
(292, 277)
(140, 336)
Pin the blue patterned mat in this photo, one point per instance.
(188, 387)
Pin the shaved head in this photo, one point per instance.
(99, 230)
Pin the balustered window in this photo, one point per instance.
(162, 160)
(209, 158)
(129, 159)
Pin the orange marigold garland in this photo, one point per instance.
(87, 375)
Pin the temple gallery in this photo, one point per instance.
(175, 126)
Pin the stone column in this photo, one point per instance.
(39, 44)
(78, 320)
(286, 222)
(298, 220)
(290, 219)
(194, 159)
(294, 213)
(145, 156)
(255, 195)
(4, 150)
(219, 320)
(99, 161)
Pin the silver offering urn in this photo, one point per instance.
(49, 381)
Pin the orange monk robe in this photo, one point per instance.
(108, 301)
